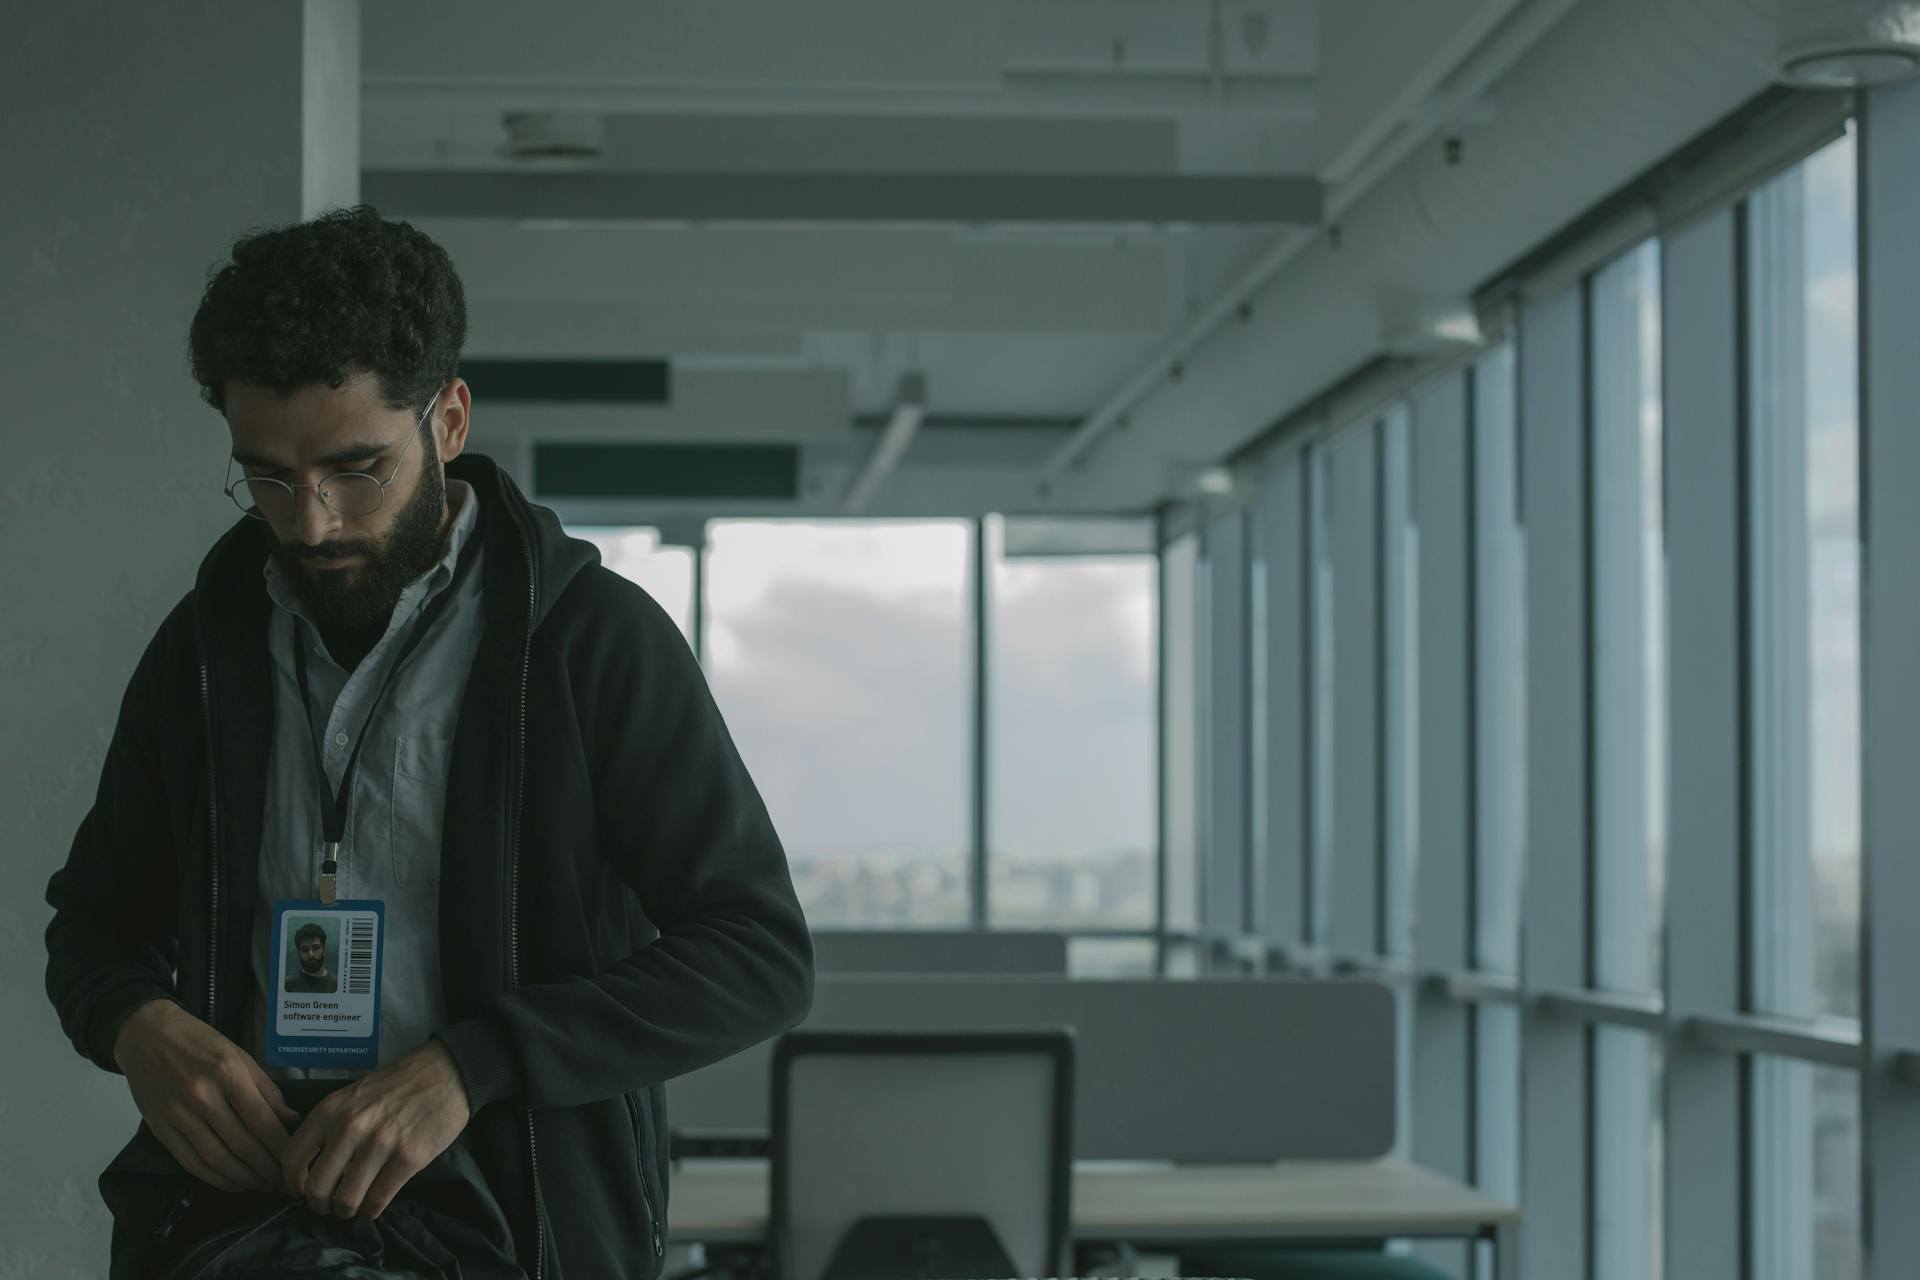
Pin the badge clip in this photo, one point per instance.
(329, 871)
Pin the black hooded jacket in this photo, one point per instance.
(606, 851)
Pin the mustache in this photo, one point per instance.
(324, 551)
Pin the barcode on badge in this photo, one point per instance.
(360, 955)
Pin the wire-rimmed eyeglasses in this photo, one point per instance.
(351, 493)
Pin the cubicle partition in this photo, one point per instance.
(878, 951)
(1205, 1071)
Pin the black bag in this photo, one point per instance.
(168, 1225)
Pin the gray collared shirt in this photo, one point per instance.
(391, 849)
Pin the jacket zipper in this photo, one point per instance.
(513, 900)
(213, 858)
(646, 1196)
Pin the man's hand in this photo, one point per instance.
(362, 1143)
(204, 1097)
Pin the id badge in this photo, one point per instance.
(323, 1009)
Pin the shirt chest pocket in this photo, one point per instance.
(419, 809)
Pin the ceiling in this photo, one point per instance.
(1018, 211)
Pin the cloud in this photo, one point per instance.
(852, 704)
(1833, 301)
(851, 712)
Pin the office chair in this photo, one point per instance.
(912, 1155)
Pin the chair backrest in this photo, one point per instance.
(921, 1123)
(940, 951)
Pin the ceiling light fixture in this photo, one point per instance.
(1847, 44)
(553, 136)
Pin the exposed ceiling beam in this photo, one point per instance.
(620, 291)
(908, 410)
(729, 142)
(1075, 95)
(939, 199)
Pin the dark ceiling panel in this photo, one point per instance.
(571, 381)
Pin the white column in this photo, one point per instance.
(1890, 671)
(1703, 1119)
(1281, 792)
(1354, 525)
(1553, 1073)
(1442, 1044)
(1225, 711)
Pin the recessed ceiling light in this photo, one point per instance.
(1216, 480)
(553, 136)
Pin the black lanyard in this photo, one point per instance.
(333, 803)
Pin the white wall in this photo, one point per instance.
(140, 140)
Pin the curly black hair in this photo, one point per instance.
(346, 292)
(309, 930)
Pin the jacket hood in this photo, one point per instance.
(518, 532)
(557, 557)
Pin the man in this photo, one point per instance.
(397, 686)
(310, 943)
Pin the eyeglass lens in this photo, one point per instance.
(350, 493)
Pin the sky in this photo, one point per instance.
(840, 654)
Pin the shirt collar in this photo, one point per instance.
(465, 506)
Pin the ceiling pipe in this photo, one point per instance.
(909, 408)
(1232, 301)
(1452, 102)
(1457, 96)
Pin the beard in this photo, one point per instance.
(360, 601)
(313, 965)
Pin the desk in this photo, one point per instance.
(725, 1201)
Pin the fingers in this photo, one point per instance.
(276, 1102)
(215, 1164)
(347, 1135)
(189, 1158)
(262, 1125)
(385, 1187)
(350, 1192)
(233, 1132)
(303, 1146)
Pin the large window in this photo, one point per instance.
(1807, 1166)
(1070, 738)
(1628, 1146)
(1665, 481)
(665, 572)
(841, 655)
